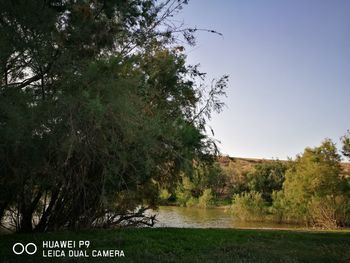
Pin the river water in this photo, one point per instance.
(187, 217)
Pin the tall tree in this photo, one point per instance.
(314, 191)
(98, 109)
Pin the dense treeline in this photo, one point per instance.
(98, 111)
(313, 189)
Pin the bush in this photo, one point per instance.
(191, 202)
(183, 192)
(330, 211)
(182, 196)
(205, 199)
(278, 206)
(164, 196)
(249, 206)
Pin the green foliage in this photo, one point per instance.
(236, 173)
(278, 206)
(183, 192)
(200, 186)
(249, 206)
(314, 192)
(205, 199)
(215, 179)
(164, 196)
(98, 112)
(192, 202)
(266, 178)
(346, 145)
(206, 176)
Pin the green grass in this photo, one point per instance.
(194, 245)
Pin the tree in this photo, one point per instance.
(98, 111)
(201, 185)
(266, 178)
(314, 192)
(346, 145)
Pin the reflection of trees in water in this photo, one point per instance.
(207, 218)
(194, 217)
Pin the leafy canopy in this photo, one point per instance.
(98, 111)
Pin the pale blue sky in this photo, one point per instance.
(289, 67)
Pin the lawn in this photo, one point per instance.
(190, 245)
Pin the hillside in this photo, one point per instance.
(249, 163)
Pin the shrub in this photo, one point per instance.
(205, 199)
(248, 206)
(182, 196)
(330, 211)
(278, 206)
(164, 196)
(192, 201)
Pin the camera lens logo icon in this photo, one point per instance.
(20, 248)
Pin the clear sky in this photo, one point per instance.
(289, 67)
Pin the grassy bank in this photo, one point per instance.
(194, 245)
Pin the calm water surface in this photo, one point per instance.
(186, 217)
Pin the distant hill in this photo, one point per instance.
(346, 167)
(247, 164)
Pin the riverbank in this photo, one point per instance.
(193, 245)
